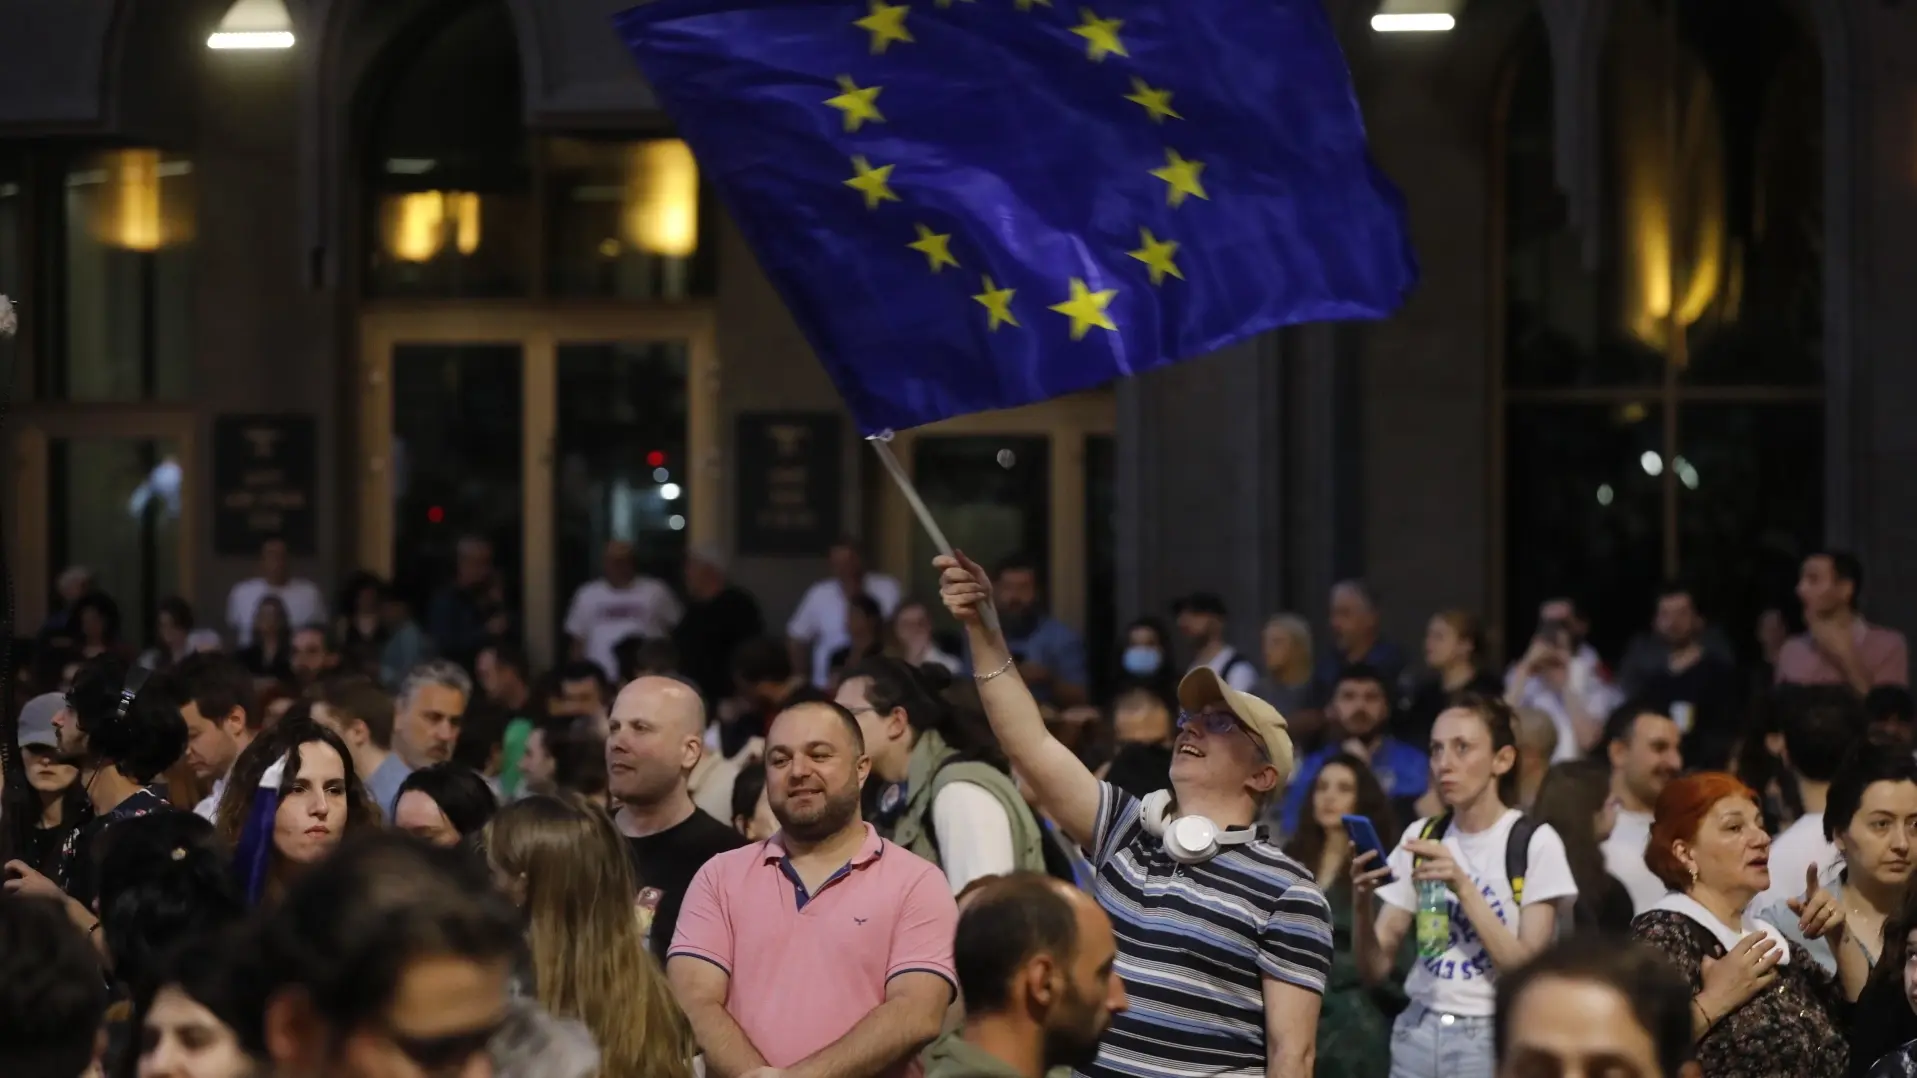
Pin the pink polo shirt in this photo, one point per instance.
(805, 969)
(1882, 652)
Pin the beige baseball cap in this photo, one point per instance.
(1202, 687)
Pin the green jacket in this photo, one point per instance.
(952, 1056)
(933, 765)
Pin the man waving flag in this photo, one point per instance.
(976, 204)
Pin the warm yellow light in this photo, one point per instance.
(662, 198)
(1669, 150)
(1416, 23)
(253, 24)
(133, 191)
(418, 225)
(463, 208)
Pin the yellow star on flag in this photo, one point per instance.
(1101, 35)
(998, 304)
(935, 246)
(1156, 102)
(1157, 254)
(873, 183)
(1086, 309)
(886, 23)
(1182, 176)
(858, 103)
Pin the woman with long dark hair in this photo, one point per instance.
(1354, 1023)
(292, 798)
(269, 655)
(43, 802)
(1575, 800)
(943, 788)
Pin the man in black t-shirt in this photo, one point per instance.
(656, 734)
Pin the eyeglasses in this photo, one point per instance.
(1220, 723)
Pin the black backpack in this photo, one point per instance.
(1517, 848)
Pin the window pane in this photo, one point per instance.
(1556, 334)
(457, 461)
(1101, 561)
(129, 278)
(1584, 515)
(621, 464)
(627, 220)
(115, 508)
(450, 211)
(1765, 322)
(991, 494)
(1750, 506)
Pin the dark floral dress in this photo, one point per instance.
(1793, 1029)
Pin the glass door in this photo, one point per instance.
(112, 494)
(548, 432)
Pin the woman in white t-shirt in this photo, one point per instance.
(1446, 1032)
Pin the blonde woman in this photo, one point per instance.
(564, 865)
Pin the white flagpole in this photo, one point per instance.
(882, 445)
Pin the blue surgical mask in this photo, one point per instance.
(1143, 661)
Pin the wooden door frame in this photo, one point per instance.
(538, 329)
(1066, 423)
(33, 428)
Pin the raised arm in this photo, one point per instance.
(1067, 790)
(700, 985)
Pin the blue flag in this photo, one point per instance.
(975, 204)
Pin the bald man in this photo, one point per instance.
(654, 743)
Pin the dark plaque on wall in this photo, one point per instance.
(265, 481)
(789, 482)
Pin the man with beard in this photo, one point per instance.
(654, 743)
(1037, 967)
(1643, 747)
(1361, 707)
(1051, 657)
(121, 738)
(824, 951)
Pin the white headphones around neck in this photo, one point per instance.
(1189, 840)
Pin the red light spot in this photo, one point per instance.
(435, 514)
(655, 459)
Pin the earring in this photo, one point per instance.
(1693, 873)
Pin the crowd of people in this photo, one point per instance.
(366, 846)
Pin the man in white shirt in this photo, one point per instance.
(817, 628)
(1562, 676)
(215, 697)
(304, 603)
(1201, 618)
(1643, 747)
(1821, 725)
(619, 604)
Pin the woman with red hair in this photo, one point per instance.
(1760, 1006)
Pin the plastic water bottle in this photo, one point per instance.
(1434, 919)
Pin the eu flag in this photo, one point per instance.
(975, 204)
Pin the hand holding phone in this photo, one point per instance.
(1364, 839)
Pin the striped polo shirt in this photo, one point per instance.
(1194, 945)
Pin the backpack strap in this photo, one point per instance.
(1436, 828)
(1517, 855)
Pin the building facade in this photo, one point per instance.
(441, 268)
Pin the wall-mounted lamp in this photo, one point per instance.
(1416, 16)
(254, 24)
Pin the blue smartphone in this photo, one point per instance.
(1365, 837)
